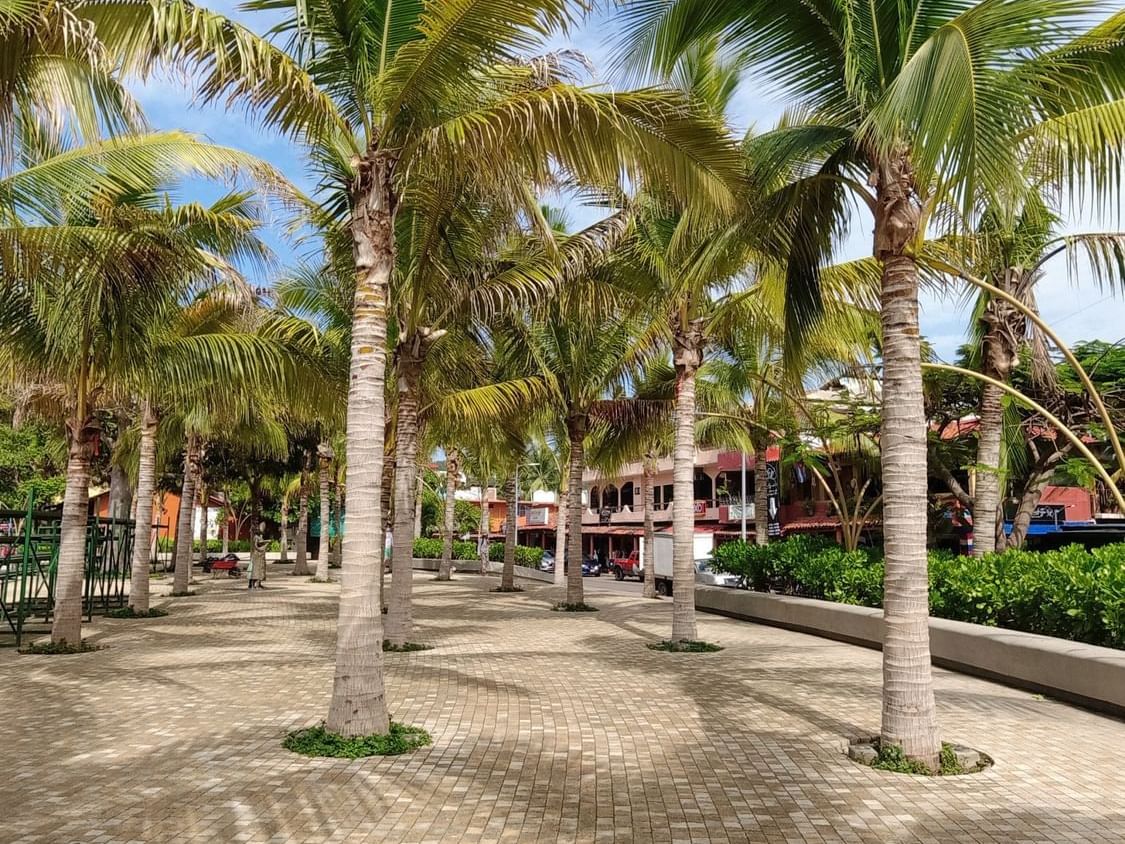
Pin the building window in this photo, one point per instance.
(595, 499)
(610, 498)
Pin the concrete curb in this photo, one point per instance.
(1088, 675)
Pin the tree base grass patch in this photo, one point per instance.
(506, 589)
(129, 612)
(405, 647)
(187, 594)
(321, 580)
(684, 646)
(579, 607)
(955, 759)
(63, 647)
(317, 741)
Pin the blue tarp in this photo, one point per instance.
(1043, 528)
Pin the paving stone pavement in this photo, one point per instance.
(547, 727)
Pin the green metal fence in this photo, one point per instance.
(29, 552)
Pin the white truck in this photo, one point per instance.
(702, 546)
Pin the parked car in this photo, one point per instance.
(627, 566)
(547, 563)
(706, 576)
(590, 568)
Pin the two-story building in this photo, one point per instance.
(613, 512)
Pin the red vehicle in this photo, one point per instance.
(630, 566)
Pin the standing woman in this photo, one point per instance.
(258, 557)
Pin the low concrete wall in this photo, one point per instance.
(1085, 674)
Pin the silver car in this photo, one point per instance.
(706, 576)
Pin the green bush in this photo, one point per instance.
(430, 549)
(427, 549)
(1070, 593)
(215, 546)
(317, 741)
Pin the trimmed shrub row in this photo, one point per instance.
(1071, 593)
(215, 546)
(430, 549)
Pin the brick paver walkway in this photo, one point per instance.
(546, 727)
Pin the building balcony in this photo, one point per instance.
(662, 514)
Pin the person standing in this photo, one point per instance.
(258, 557)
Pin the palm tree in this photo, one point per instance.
(754, 383)
(1011, 249)
(58, 85)
(433, 85)
(585, 339)
(90, 258)
(325, 458)
(642, 428)
(301, 548)
(449, 510)
(196, 348)
(915, 109)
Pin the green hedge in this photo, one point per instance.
(430, 549)
(1071, 593)
(215, 546)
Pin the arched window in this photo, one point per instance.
(627, 493)
(610, 498)
(595, 499)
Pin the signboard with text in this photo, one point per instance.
(773, 498)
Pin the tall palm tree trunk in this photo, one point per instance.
(301, 551)
(452, 472)
(284, 557)
(67, 623)
(485, 528)
(648, 494)
(761, 499)
(508, 573)
(688, 357)
(358, 704)
(999, 356)
(560, 533)
(986, 498)
(146, 488)
(339, 487)
(225, 516)
(386, 497)
(909, 715)
(120, 493)
(182, 560)
(419, 487)
(203, 496)
(324, 456)
(576, 434)
(1042, 470)
(400, 616)
(120, 488)
(256, 532)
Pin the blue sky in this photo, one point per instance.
(1077, 311)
